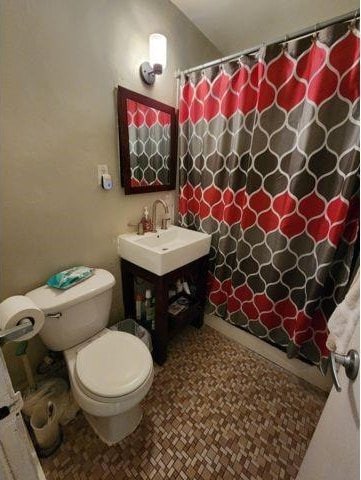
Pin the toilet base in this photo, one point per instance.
(115, 428)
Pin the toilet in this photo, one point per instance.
(110, 372)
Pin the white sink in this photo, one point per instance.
(165, 250)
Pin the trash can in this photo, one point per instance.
(131, 326)
(45, 425)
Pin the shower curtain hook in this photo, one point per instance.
(285, 42)
(352, 24)
(261, 52)
(315, 33)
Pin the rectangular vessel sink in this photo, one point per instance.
(165, 250)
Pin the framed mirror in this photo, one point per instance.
(148, 143)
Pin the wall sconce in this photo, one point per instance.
(157, 58)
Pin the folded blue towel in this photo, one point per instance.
(69, 278)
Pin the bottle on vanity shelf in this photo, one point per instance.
(138, 306)
(149, 310)
(146, 221)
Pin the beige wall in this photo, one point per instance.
(60, 61)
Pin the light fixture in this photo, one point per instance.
(157, 58)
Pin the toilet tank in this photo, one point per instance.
(74, 315)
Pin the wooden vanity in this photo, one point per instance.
(165, 323)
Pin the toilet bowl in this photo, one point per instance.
(110, 372)
(110, 375)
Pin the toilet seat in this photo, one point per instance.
(113, 366)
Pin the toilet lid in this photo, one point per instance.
(113, 365)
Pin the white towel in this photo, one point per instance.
(345, 319)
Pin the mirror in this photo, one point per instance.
(148, 143)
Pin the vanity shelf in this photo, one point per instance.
(192, 314)
(167, 324)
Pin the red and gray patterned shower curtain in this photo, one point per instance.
(269, 162)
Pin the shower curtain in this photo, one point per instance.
(269, 163)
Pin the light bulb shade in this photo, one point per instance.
(158, 49)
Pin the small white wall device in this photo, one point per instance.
(107, 182)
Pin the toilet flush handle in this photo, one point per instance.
(54, 315)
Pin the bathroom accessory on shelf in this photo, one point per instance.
(179, 305)
(138, 306)
(176, 308)
(149, 309)
(70, 277)
(179, 285)
(186, 288)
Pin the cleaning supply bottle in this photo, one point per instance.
(138, 306)
(146, 221)
(149, 310)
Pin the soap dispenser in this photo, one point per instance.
(146, 221)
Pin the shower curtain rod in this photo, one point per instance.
(300, 33)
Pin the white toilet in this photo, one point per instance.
(110, 372)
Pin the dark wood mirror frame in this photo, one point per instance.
(125, 172)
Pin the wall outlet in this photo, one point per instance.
(102, 170)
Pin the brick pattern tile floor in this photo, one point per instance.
(215, 411)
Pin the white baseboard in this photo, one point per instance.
(309, 373)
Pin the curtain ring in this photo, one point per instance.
(353, 22)
(261, 52)
(316, 31)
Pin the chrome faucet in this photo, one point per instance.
(154, 215)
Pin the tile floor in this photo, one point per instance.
(215, 411)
